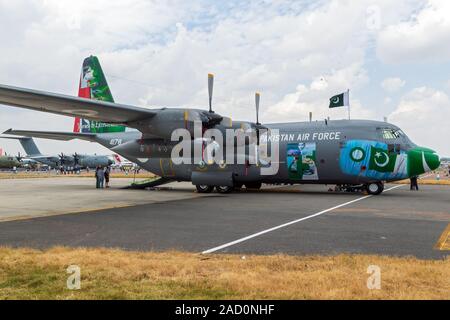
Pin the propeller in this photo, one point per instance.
(62, 159)
(210, 119)
(19, 157)
(257, 98)
(258, 125)
(210, 90)
(76, 159)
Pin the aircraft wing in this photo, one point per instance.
(44, 158)
(72, 106)
(54, 135)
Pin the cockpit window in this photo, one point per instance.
(389, 134)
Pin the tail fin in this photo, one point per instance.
(28, 145)
(93, 85)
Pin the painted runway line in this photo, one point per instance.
(252, 236)
(444, 240)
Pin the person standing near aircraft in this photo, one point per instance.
(100, 177)
(107, 172)
(414, 185)
(97, 181)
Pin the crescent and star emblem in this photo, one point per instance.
(381, 154)
(335, 100)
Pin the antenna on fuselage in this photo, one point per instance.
(210, 90)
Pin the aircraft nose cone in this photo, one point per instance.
(432, 160)
(421, 160)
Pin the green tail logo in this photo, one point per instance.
(93, 85)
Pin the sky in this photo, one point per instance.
(394, 56)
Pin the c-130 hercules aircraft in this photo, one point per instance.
(356, 154)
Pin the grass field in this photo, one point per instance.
(116, 274)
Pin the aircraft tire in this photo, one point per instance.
(204, 188)
(224, 189)
(375, 188)
(253, 185)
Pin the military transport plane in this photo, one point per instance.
(54, 161)
(8, 162)
(351, 153)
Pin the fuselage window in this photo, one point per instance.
(389, 134)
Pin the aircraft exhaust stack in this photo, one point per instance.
(210, 90)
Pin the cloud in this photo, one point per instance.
(157, 54)
(166, 49)
(392, 84)
(424, 37)
(315, 98)
(423, 114)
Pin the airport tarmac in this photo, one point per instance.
(26, 198)
(294, 220)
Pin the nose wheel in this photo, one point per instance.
(375, 188)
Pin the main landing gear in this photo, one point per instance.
(224, 189)
(209, 189)
(204, 188)
(374, 188)
(228, 189)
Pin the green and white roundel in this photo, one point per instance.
(357, 154)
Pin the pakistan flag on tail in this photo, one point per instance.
(93, 85)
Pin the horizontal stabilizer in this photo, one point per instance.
(53, 135)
